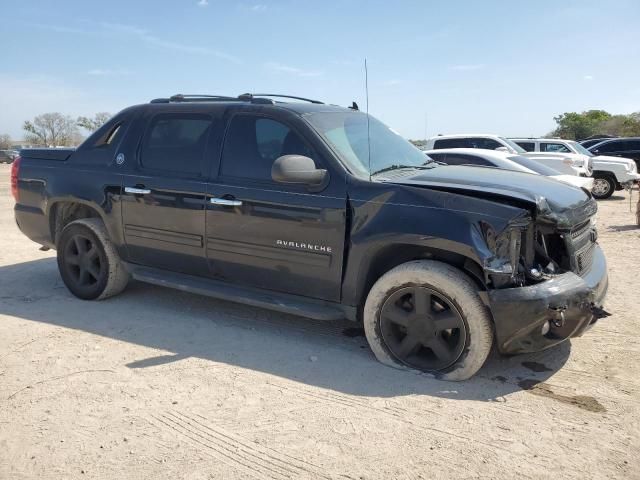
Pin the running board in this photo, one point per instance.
(280, 302)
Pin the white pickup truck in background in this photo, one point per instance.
(566, 163)
(609, 173)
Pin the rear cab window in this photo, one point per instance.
(100, 147)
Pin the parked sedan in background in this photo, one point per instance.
(589, 142)
(506, 161)
(610, 173)
(563, 162)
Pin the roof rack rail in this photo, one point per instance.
(245, 97)
(251, 96)
(180, 97)
(200, 98)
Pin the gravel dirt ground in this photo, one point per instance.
(159, 384)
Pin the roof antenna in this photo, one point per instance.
(366, 90)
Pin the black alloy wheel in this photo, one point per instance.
(422, 328)
(84, 264)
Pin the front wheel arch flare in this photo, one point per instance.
(394, 255)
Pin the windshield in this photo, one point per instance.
(534, 165)
(580, 149)
(347, 133)
(517, 148)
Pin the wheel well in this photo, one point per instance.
(63, 213)
(601, 173)
(396, 255)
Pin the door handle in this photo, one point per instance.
(137, 191)
(226, 202)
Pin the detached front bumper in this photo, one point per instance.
(520, 313)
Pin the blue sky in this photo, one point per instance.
(451, 66)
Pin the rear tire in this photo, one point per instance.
(603, 186)
(428, 316)
(88, 262)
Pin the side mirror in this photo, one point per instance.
(297, 169)
(596, 151)
(502, 149)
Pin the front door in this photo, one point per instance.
(275, 236)
(163, 205)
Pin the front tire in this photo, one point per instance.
(428, 316)
(603, 187)
(88, 262)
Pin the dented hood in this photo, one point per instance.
(557, 201)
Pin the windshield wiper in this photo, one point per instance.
(426, 166)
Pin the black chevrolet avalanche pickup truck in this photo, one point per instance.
(323, 212)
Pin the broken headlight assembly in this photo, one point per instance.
(521, 254)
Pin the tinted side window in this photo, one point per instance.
(486, 143)
(590, 143)
(451, 143)
(457, 159)
(554, 147)
(609, 147)
(528, 146)
(176, 143)
(438, 157)
(253, 143)
(632, 145)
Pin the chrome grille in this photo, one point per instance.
(583, 244)
(584, 258)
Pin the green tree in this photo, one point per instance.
(93, 124)
(51, 129)
(576, 126)
(621, 125)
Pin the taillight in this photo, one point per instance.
(15, 168)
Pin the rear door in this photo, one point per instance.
(620, 148)
(163, 205)
(632, 150)
(275, 236)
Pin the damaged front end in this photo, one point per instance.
(547, 276)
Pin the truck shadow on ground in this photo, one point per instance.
(332, 355)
